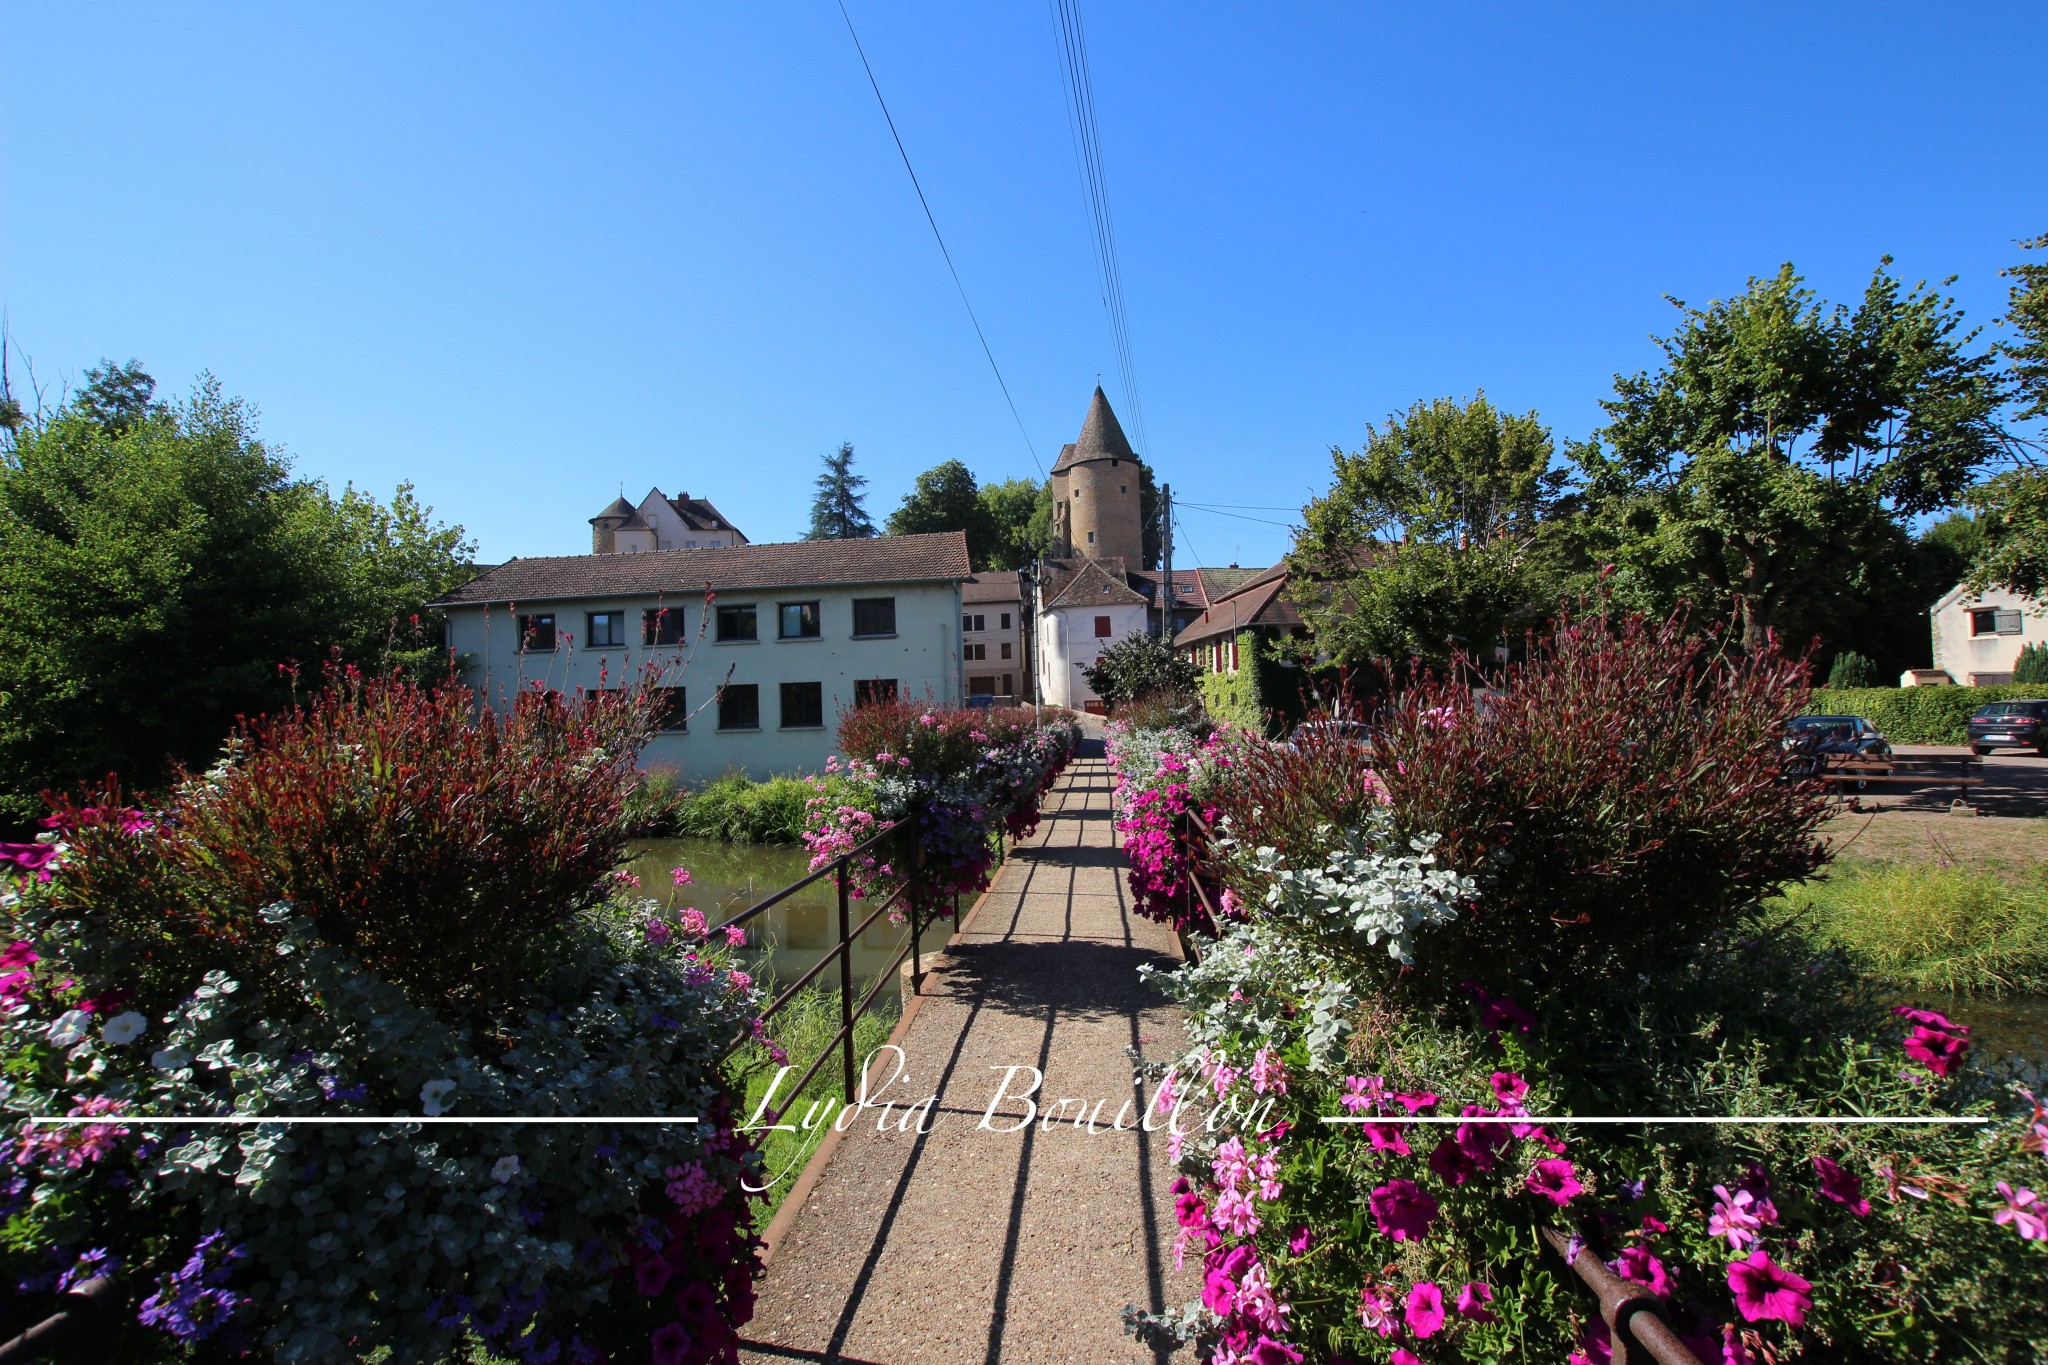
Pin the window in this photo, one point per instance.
(1091, 537)
(739, 706)
(536, 633)
(966, 624)
(1008, 690)
(1006, 649)
(874, 691)
(736, 623)
(1984, 622)
(799, 620)
(604, 628)
(874, 616)
(803, 706)
(671, 709)
(1006, 620)
(973, 652)
(661, 626)
(1102, 627)
(981, 623)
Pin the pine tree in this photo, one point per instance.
(836, 513)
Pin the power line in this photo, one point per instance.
(1243, 506)
(1087, 139)
(1219, 512)
(940, 237)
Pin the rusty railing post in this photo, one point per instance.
(1634, 1316)
(916, 917)
(845, 983)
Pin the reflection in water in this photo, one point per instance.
(2016, 1026)
(788, 939)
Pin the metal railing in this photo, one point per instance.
(1193, 835)
(840, 870)
(79, 1331)
(1636, 1319)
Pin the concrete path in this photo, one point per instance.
(965, 1243)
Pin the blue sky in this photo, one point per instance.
(526, 255)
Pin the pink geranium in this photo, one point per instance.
(1403, 1210)
(1555, 1180)
(1840, 1186)
(1765, 1292)
(1376, 1311)
(2024, 1211)
(1738, 1216)
(1425, 1312)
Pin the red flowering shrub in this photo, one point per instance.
(1620, 795)
(433, 839)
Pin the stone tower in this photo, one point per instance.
(604, 527)
(1095, 498)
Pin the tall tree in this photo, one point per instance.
(2013, 507)
(836, 511)
(1767, 466)
(1434, 536)
(1012, 506)
(116, 396)
(946, 498)
(155, 572)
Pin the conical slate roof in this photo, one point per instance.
(619, 508)
(1102, 438)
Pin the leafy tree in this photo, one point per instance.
(1011, 507)
(1436, 536)
(2013, 507)
(156, 572)
(1767, 465)
(2032, 665)
(946, 498)
(116, 396)
(836, 511)
(1852, 670)
(1138, 666)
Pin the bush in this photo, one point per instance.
(2031, 668)
(740, 810)
(654, 804)
(1933, 929)
(436, 842)
(1918, 715)
(1852, 670)
(1138, 665)
(242, 953)
(1619, 796)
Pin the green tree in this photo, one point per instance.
(1437, 535)
(2032, 665)
(1138, 666)
(1765, 468)
(1011, 507)
(946, 498)
(156, 572)
(2013, 507)
(1851, 669)
(836, 511)
(116, 396)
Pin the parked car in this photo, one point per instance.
(2010, 725)
(1814, 743)
(1332, 731)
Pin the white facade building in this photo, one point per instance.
(1086, 607)
(760, 647)
(661, 522)
(1978, 636)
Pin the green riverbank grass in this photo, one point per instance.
(1929, 928)
(803, 1029)
(734, 808)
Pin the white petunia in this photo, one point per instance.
(70, 1027)
(507, 1167)
(433, 1094)
(124, 1028)
(171, 1059)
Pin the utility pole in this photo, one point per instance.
(1166, 562)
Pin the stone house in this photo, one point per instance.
(1978, 636)
(661, 523)
(758, 648)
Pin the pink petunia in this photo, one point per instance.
(1639, 1265)
(1931, 1018)
(1302, 1240)
(1556, 1180)
(2024, 1211)
(1473, 1300)
(1840, 1186)
(19, 953)
(1451, 1164)
(1403, 1356)
(1425, 1313)
(1509, 1088)
(671, 1344)
(1939, 1052)
(1386, 1137)
(1765, 1292)
(1403, 1210)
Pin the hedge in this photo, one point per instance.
(1917, 715)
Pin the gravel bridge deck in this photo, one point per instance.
(964, 1244)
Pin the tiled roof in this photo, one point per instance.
(936, 558)
(1102, 437)
(1217, 583)
(619, 508)
(699, 515)
(1261, 601)
(1089, 583)
(1195, 597)
(1000, 585)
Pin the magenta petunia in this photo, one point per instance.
(1451, 1164)
(1473, 1300)
(1425, 1311)
(671, 1344)
(1509, 1088)
(1931, 1018)
(1840, 1186)
(1266, 1351)
(1299, 1244)
(1939, 1052)
(1765, 1292)
(1386, 1137)
(1403, 1356)
(1638, 1264)
(19, 953)
(1403, 1210)
(1556, 1180)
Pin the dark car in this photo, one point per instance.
(1814, 743)
(2010, 725)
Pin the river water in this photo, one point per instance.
(786, 940)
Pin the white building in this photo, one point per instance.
(661, 522)
(759, 647)
(1085, 606)
(1978, 636)
(992, 655)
